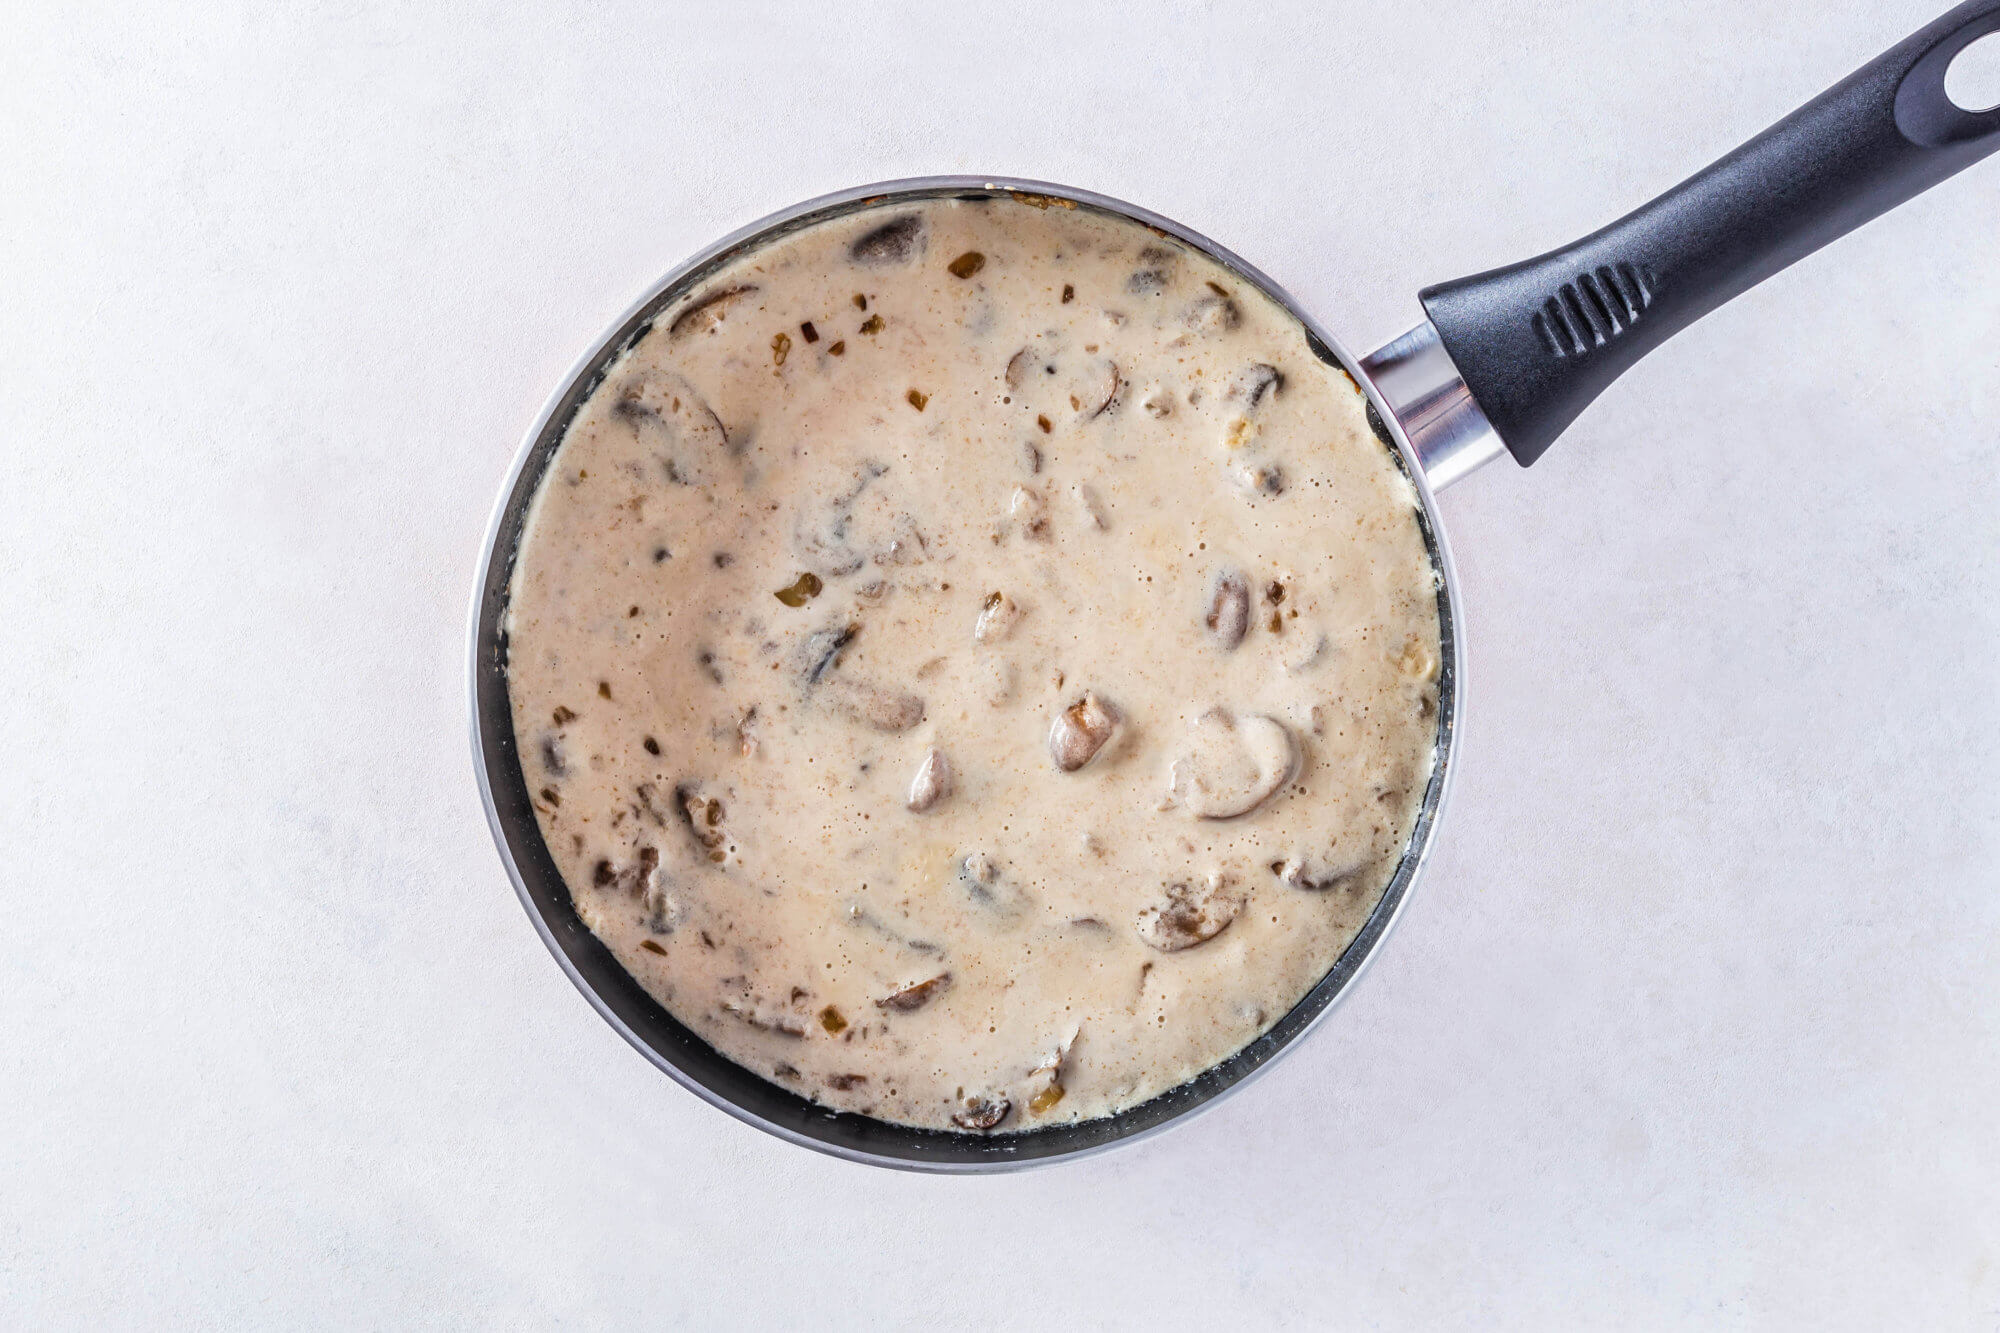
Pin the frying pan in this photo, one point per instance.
(1502, 363)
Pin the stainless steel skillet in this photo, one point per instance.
(1503, 362)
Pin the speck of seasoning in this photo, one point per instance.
(563, 716)
(967, 264)
(723, 559)
(549, 795)
(604, 689)
(832, 1020)
(1069, 293)
(660, 553)
(1043, 422)
(808, 332)
(631, 611)
(1276, 592)
(873, 324)
(836, 349)
(652, 946)
(860, 301)
(917, 399)
(781, 347)
(652, 746)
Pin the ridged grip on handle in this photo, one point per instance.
(1537, 341)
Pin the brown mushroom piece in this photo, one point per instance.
(1046, 375)
(707, 312)
(701, 813)
(1231, 765)
(1318, 873)
(677, 422)
(1210, 314)
(1081, 730)
(1028, 513)
(1190, 914)
(1091, 503)
(911, 998)
(820, 653)
(982, 1112)
(897, 241)
(932, 784)
(1155, 272)
(979, 874)
(1259, 481)
(1228, 613)
(1253, 384)
(998, 615)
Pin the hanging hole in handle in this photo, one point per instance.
(1972, 81)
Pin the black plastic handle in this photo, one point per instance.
(1537, 341)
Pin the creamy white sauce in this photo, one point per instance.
(976, 664)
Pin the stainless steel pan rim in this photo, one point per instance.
(679, 1053)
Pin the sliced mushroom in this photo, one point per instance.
(914, 997)
(701, 813)
(1028, 513)
(1259, 481)
(820, 652)
(1024, 363)
(933, 782)
(1155, 272)
(1046, 375)
(998, 615)
(1091, 504)
(1317, 873)
(905, 544)
(1253, 384)
(1231, 765)
(1210, 314)
(1228, 614)
(982, 1112)
(897, 241)
(679, 424)
(707, 312)
(873, 705)
(980, 876)
(1190, 914)
(1081, 730)
(1097, 388)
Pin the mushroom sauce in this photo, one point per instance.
(976, 665)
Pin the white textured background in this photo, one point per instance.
(1696, 1022)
